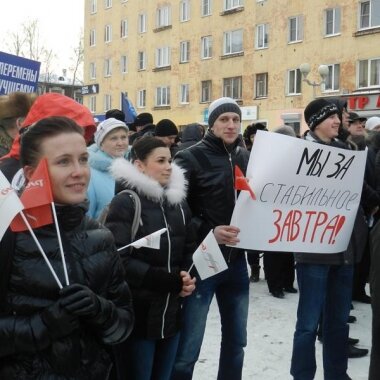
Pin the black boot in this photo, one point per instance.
(355, 352)
(255, 273)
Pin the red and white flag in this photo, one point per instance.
(208, 258)
(241, 183)
(150, 241)
(36, 198)
(10, 204)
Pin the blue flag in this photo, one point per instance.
(128, 109)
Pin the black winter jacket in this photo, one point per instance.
(27, 350)
(153, 275)
(209, 167)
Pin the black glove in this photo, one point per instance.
(161, 281)
(80, 300)
(58, 321)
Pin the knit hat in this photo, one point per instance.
(54, 104)
(319, 110)
(372, 123)
(16, 104)
(143, 119)
(219, 106)
(116, 114)
(106, 127)
(165, 127)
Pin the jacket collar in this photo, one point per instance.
(126, 173)
(211, 139)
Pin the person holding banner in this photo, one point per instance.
(324, 280)
(210, 168)
(158, 278)
(46, 330)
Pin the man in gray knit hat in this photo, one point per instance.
(209, 166)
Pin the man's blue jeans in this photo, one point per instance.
(147, 359)
(327, 289)
(231, 288)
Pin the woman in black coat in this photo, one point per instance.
(157, 278)
(52, 333)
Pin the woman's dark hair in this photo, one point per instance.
(30, 150)
(144, 146)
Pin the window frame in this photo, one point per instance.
(228, 41)
(92, 70)
(141, 24)
(296, 82)
(368, 72)
(336, 21)
(206, 47)
(163, 16)
(259, 86)
(141, 98)
(262, 36)
(92, 37)
(373, 14)
(333, 77)
(124, 64)
(205, 90)
(124, 28)
(107, 4)
(107, 102)
(184, 10)
(108, 33)
(107, 67)
(206, 5)
(232, 4)
(163, 96)
(230, 88)
(162, 58)
(298, 29)
(93, 6)
(141, 60)
(92, 103)
(184, 51)
(184, 93)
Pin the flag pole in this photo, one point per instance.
(41, 250)
(192, 265)
(60, 244)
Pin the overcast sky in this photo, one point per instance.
(60, 24)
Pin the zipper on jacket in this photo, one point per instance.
(169, 270)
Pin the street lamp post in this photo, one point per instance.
(323, 71)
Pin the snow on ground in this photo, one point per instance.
(270, 334)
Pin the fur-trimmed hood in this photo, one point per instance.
(126, 173)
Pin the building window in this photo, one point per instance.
(141, 99)
(124, 28)
(333, 78)
(163, 56)
(184, 94)
(141, 63)
(92, 37)
(206, 8)
(108, 33)
(162, 96)
(184, 10)
(262, 85)
(369, 14)
(107, 102)
(107, 3)
(261, 36)
(93, 104)
(107, 67)
(184, 51)
(369, 73)
(332, 21)
(206, 47)
(233, 42)
(93, 6)
(163, 16)
(295, 26)
(124, 64)
(230, 4)
(142, 23)
(294, 82)
(206, 91)
(232, 87)
(92, 70)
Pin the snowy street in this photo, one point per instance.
(271, 325)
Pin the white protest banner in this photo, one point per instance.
(208, 258)
(149, 241)
(10, 204)
(307, 196)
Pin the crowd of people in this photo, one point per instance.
(137, 313)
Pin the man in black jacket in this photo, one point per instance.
(210, 166)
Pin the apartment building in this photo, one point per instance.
(172, 58)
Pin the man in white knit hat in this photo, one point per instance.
(209, 165)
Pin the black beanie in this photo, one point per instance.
(165, 127)
(319, 110)
(116, 114)
(219, 106)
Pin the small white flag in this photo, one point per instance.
(149, 241)
(10, 204)
(208, 258)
